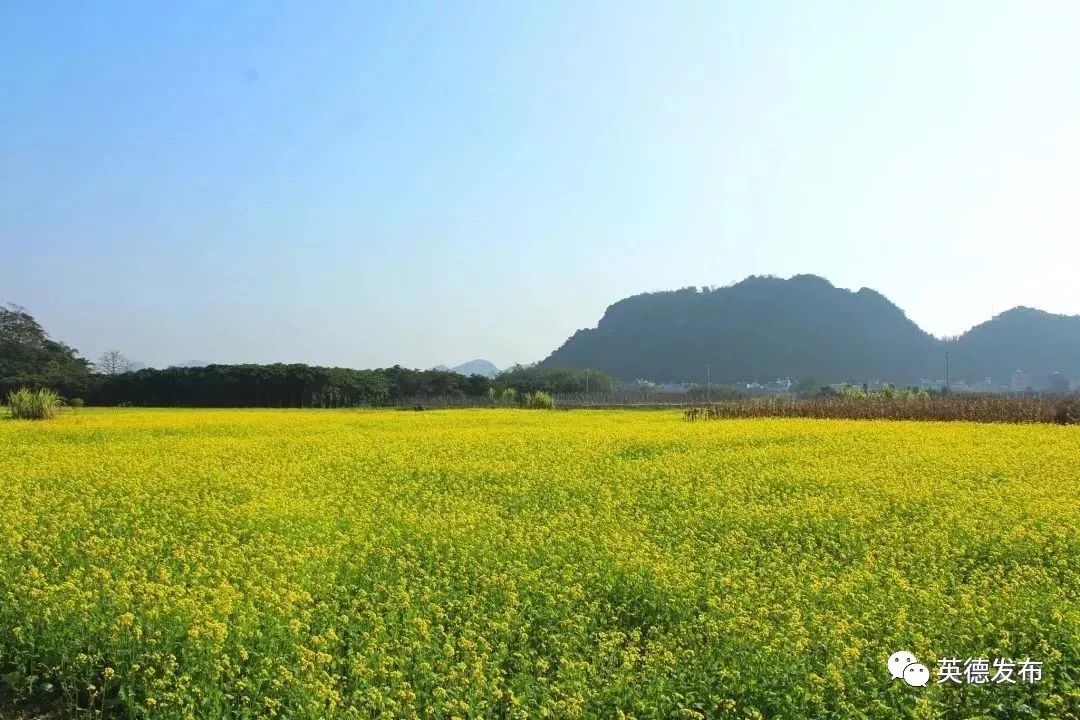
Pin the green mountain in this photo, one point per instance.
(1037, 342)
(804, 327)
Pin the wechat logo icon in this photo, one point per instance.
(904, 665)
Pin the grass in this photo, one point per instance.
(490, 563)
(37, 404)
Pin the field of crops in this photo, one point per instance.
(529, 564)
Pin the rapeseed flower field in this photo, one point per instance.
(526, 564)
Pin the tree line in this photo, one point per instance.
(30, 359)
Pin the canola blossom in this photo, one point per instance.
(527, 564)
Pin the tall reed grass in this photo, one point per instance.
(39, 404)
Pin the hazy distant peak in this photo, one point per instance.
(477, 367)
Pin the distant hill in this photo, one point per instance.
(804, 327)
(473, 367)
(477, 367)
(1037, 342)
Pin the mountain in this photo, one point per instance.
(1037, 342)
(804, 327)
(477, 367)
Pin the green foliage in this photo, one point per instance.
(38, 404)
(28, 358)
(539, 400)
(852, 391)
(77, 402)
(284, 385)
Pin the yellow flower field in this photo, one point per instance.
(527, 564)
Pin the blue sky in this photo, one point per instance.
(364, 184)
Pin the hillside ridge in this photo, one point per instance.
(764, 327)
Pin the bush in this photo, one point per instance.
(539, 400)
(1068, 411)
(40, 404)
(77, 402)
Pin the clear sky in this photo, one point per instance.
(365, 184)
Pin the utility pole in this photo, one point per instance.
(947, 386)
(708, 382)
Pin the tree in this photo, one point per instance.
(28, 357)
(112, 362)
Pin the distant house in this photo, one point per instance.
(1021, 382)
